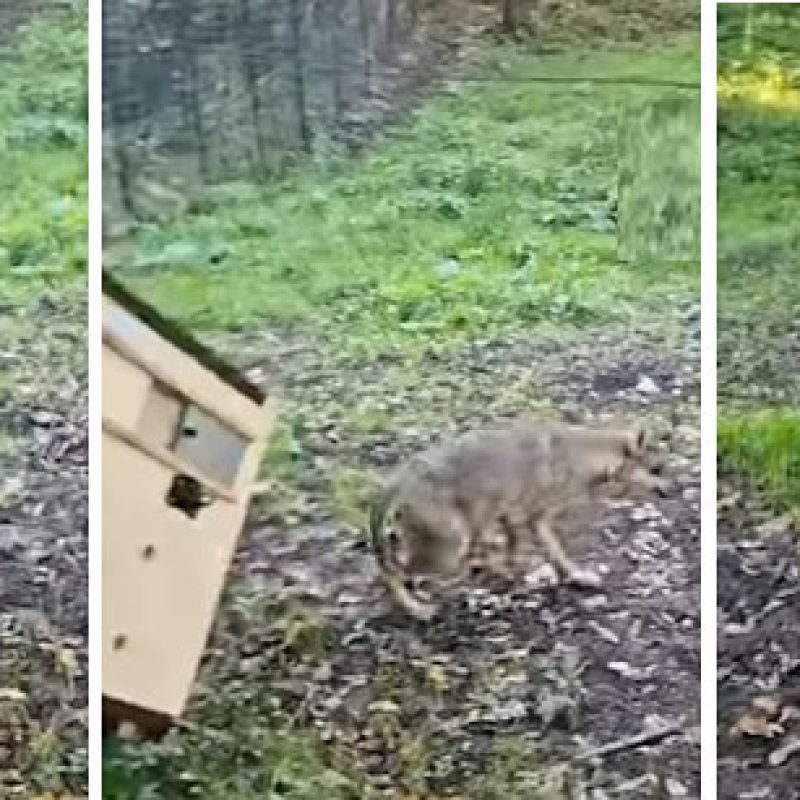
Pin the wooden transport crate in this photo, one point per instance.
(183, 435)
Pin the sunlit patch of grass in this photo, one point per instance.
(766, 447)
(773, 89)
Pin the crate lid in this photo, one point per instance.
(180, 338)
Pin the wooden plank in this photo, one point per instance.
(136, 343)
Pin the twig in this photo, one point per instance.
(631, 742)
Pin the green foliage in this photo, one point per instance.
(350, 495)
(490, 211)
(516, 772)
(758, 202)
(221, 766)
(659, 203)
(240, 750)
(755, 36)
(766, 447)
(284, 454)
(758, 175)
(43, 164)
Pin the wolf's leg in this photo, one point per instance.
(568, 569)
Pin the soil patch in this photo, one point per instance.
(759, 628)
(551, 674)
(43, 550)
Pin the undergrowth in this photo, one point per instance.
(288, 766)
(765, 446)
(43, 156)
(759, 245)
(492, 209)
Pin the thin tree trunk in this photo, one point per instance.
(303, 127)
(391, 27)
(366, 44)
(334, 30)
(510, 15)
(191, 93)
(251, 79)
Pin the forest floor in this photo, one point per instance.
(759, 601)
(759, 487)
(465, 270)
(43, 394)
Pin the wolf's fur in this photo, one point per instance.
(488, 497)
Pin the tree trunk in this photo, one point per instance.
(391, 27)
(251, 79)
(299, 77)
(366, 44)
(510, 15)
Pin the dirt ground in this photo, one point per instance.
(511, 686)
(43, 548)
(759, 631)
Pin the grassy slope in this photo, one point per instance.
(509, 178)
(43, 177)
(43, 171)
(759, 205)
(489, 211)
(43, 143)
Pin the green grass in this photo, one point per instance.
(660, 181)
(759, 243)
(43, 162)
(758, 163)
(766, 447)
(756, 37)
(488, 211)
(289, 766)
(759, 171)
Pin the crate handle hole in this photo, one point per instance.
(187, 495)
